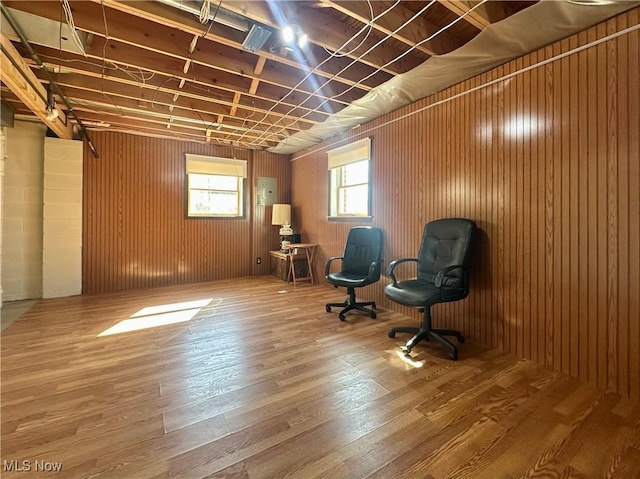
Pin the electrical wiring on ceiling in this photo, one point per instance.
(205, 11)
(338, 54)
(314, 69)
(66, 7)
(429, 38)
(355, 60)
(261, 127)
(104, 59)
(143, 77)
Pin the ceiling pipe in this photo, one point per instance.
(52, 83)
(219, 15)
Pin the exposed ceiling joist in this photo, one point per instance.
(325, 32)
(396, 24)
(478, 17)
(17, 75)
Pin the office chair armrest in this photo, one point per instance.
(395, 263)
(327, 265)
(442, 273)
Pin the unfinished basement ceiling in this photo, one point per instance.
(221, 72)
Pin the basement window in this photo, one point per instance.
(349, 180)
(215, 186)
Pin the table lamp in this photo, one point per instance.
(282, 216)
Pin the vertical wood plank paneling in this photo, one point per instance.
(602, 209)
(541, 200)
(517, 228)
(591, 137)
(482, 261)
(264, 236)
(633, 156)
(530, 227)
(574, 284)
(549, 195)
(580, 124)
(547, 164)
(497, 114)
(613, 192)
(620, 111)
(135, 231)
(526, 258)
(563, 241)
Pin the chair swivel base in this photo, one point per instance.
(348, 305)
(421, 334)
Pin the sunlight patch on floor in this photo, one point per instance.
(407, 360)
(161, 315)
(166, 308)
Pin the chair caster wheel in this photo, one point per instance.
(374, 306)
(373, 316)
(342, 318)
(406, 351)
(328, 308)
(391, 334)
(453, 356)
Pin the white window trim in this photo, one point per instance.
(351, 153)
(212, 165)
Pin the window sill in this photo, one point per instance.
(354, 219)
(211, 217)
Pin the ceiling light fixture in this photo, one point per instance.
(52, 111)
(293, 35)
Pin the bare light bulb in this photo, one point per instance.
(302, 40)
(288, 34)
(52, 113)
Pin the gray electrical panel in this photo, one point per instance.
(267, 190)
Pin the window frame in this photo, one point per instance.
(215, 166)
(353, 152)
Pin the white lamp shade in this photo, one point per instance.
(281, 215)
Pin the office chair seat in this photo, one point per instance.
(417, 292)
(413, 292)
(347, 279)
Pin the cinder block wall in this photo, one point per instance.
(22, 212)
(62, 218)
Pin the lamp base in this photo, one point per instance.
(284, 241)
(286, 234)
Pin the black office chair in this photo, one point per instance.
(361, 265)
(442, 276)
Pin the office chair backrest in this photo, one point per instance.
(364, 246)
(446, 242)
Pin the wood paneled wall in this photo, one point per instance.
(547, 163)
(271, 166)
(136, 234)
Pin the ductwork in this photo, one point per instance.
(219, 15)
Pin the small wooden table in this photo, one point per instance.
(310, 250)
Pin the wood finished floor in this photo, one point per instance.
(262, 383)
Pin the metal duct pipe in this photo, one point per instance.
(221, 16)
